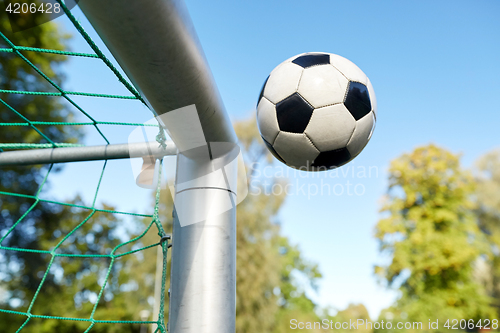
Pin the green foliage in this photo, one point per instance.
(72, 284)
(432, 240)
(353, 313)
(488, 215)
(258, 262)
(16, 74)
(20, 271)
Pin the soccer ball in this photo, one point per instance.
(316, 111)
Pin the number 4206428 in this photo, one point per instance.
(455, 324)
(24, 8)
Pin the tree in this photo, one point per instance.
(269, 293)
(488, 216)
(431, 238)
(20, 270)
(353, 313)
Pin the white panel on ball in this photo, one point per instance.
(362, 134)
(349, 69)
(282, 82)
(322, 85)
(331, 127)
(266, 119)
(296, 149)
(373, 99)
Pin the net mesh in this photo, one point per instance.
(54, 252)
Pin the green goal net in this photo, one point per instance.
(24, 205)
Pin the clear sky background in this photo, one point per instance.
(435, 69)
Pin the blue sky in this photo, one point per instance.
(435, 70)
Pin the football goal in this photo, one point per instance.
(155, 45)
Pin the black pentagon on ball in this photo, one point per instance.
(293, 113)
(312, 59)
(271, 149)
(357, 100)
(262, 90)
(331, 159)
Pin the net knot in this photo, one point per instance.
(161, 139)
(165, 238)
